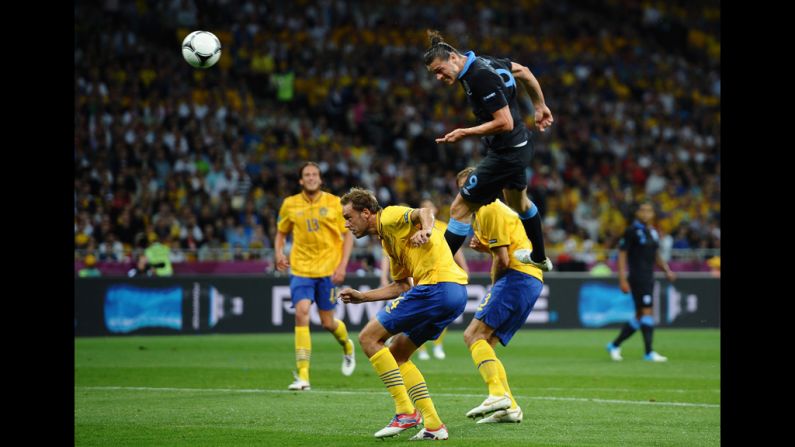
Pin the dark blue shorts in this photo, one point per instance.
(642, 294)
(506, 307)
(318, 290)
(497, 170)
(424, 311)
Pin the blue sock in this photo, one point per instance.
(647, 329)
(531, 221)
(627, 330)
(456, 233)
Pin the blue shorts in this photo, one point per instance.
(506, 307)
(318, 290)
(424, 311)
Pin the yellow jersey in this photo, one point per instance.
(495, 225)
(430, 263)
(317, 228)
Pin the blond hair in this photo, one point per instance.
(361, 199)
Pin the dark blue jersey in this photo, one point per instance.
(641, 243)
(490, 86)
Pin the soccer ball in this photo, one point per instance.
(201, 49)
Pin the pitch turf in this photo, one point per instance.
(231, 390)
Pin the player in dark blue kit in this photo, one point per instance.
(490, 85)
(639, 247)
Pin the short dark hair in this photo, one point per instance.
(439, 48)
(361, 199)
(304, 165)
(642, 202)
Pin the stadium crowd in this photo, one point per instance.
(203, 158)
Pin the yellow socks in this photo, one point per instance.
(438, 341)
(341, 334)
(504, 380)
(303, 351)
(486, 361)
(418, 392)
(387, 369)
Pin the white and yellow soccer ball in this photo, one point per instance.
(201, 49)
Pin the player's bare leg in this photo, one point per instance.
(338, 329)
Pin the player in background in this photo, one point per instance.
(318, 259)
(429, 291)
(490, 86)
(515, 288)
(438, 346)
(639, 248)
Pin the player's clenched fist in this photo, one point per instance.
(348, 295)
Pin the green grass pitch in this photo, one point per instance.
(231, 390)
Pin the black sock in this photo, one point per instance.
(626, 331)
(648, 332)
(532, 227)
(453, 240)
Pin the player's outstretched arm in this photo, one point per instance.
(543, 116)
(502, 122)
(392, 290)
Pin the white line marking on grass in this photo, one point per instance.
(651, 390)
(360, 392)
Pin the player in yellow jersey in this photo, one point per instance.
(318, 259)
(438, 346)
(514, 291)
(430, 292)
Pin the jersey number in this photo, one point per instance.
(312, 225)
(485, 302)
(511, 80)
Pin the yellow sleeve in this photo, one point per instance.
(284, 223)
(396, 218)
(341, 219)
(493, 227)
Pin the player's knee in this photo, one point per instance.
(471, 336)
(328, 325)
(456, 211)
(460, 208)
(301, 316)
(364, 338)
(368, 342)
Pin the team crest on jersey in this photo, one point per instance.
(323, 211)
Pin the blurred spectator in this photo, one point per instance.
(600, 269)
(637, 114)
(89, 269)
(141, 268)
(714, 266)
(158, 255)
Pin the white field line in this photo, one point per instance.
(651, 390)
(364, 392)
